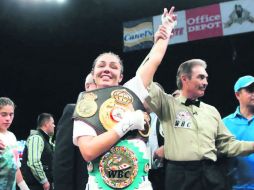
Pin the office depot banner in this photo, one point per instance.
(228, 18)
(204, 22)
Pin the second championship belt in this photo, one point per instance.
(104, 108)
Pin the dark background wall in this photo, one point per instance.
(47, 49)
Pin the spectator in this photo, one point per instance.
(38, 155)
(69, 168)
(241, 124)
(9, 159)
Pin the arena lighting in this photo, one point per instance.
(44, 1)
(60, 1)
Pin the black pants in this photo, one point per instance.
(156, 177)
(193, 175)
(39, 187)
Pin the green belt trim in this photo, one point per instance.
(142, 162)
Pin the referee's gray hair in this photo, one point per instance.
(186, 69)
(4, 101)
(109, 53)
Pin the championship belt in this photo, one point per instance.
(104, 108)
(122, 167)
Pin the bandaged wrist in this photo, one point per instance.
(121, 128)
(23, 186)
(165, 20)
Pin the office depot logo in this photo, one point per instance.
(204, 22)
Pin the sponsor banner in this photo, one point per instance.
(215, 20)
(204, 22)
(179, 32)
(138, 34)
(237, 16)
